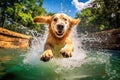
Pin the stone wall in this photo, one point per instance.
(105, 39)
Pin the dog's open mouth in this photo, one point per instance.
(59, 33)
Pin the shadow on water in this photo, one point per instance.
(84, 65)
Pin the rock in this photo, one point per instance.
(10, 39)
(109, 39)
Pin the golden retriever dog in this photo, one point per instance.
(59, 42)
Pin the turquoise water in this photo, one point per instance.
(97, 65)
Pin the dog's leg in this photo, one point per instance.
(67, 50)
(47, 55)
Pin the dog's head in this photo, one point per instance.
(59, 24)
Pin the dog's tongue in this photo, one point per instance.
(59, 32)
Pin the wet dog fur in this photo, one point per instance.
(59, 42)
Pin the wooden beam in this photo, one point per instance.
(14, 34)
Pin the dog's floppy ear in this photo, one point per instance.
(42, 19)
(74, 21)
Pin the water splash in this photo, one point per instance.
(36, 49)
(80, 59)
(61, 7)
(78, 55)
(32, 56)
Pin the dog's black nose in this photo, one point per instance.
(60, 27)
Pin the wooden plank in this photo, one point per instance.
(10, 39)
(4, 44)
(14, 34)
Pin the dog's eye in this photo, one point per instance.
(65, 19)
(55, 19)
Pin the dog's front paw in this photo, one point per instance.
(46, 56)
(66, 52)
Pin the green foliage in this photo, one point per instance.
(18, 14)
(50, 14)
(105, 14)
(102, 27)
(21, 12)
(88, 22)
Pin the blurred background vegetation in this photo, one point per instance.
(103, 15)
(17, 15)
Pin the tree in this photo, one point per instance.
(21, 12)
(89, 20)
(104, 15)
(110, 10)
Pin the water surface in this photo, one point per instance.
(97, 65)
